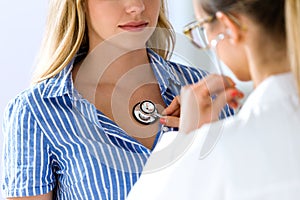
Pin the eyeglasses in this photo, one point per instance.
(197, 33)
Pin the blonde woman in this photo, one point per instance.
(75, 133)
(257, 156)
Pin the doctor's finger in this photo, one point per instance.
(170, 121)
(230, 96)
(176, 113)
(173, 107)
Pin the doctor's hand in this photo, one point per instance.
(201, 103)
(172, 114)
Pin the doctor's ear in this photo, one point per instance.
(233, 28)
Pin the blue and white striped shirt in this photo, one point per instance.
(54, 139)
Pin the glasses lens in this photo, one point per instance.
(199, 37)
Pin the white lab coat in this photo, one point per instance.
(256, 158)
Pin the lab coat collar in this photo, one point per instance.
(275, 87)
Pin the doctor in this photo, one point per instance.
(257, 156)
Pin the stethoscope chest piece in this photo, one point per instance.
(145, 112)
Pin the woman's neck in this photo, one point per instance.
(123, 65)
(112, 54)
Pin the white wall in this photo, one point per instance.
(181, 13)
(21, 29)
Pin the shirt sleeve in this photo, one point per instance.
(26, 163)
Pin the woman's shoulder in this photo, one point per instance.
(194, 72)
(27, 98)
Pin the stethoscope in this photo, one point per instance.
(145, 112)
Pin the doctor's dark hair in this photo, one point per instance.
(268, 13)
(280, 19)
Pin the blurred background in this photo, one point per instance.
(22, 25)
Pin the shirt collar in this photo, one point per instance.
(163, 72)
(62, 83)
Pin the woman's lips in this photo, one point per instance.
(134, 26)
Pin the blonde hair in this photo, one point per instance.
(66, 32)
(292, 12)
(163, 39)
